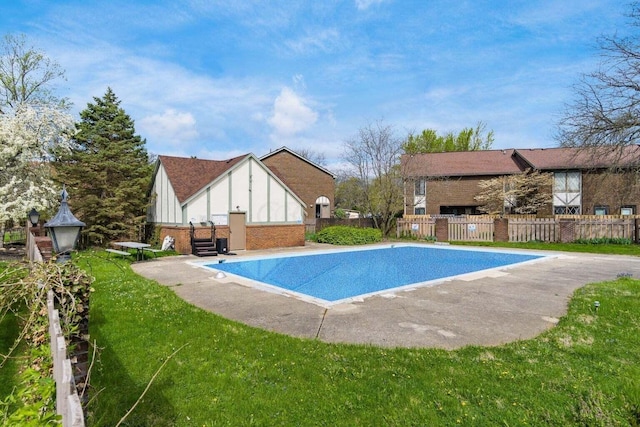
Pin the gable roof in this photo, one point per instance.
(190, 175)
(460, 163)
(578, 158)
(285, 149)
(513, 161)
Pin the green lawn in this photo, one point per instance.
(612, 249)
(585, 371)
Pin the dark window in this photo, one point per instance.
(459, 210)
(566, 210)
(419, 211)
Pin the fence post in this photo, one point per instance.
(442, 229)
(501, 230)
(567, 230)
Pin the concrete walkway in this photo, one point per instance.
(503, 306)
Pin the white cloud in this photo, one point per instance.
(327, 40)
(365, 4)
(291, 115)
(171, 125)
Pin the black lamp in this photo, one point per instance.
(64, 229)
(34, 217)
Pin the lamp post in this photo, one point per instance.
(64, 229)
(34, 217)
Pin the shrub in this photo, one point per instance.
(604, 241)
(342, 235)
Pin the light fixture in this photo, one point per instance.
(64, 229)
(596, 305)
(220, 275)
(34, 217)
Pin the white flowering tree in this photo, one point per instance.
(524, 193)
(33, 124)
(28, 135)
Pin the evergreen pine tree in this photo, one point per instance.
(107, 172)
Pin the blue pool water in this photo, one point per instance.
(345, 274)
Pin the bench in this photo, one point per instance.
(115, 251)
(154, 251)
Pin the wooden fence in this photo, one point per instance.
(524, 228)
(533, 229)
(67, 401)
(469, 229)
(419, 226)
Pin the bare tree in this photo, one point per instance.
(604, 117)
(374, 158)
(27, 75)
(525, 193)
(315, 156)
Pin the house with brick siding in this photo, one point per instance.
(314, 184)
(583, 182)
(246, 202)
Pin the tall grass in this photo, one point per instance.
(582, 372)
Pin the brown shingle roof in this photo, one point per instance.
(575, 158)
(188, 175)
(512, 161)
(461, 163)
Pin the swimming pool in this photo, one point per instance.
(333, 276)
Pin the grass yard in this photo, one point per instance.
(585, 371)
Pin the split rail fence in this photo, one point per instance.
(68, 403)
(520, 228)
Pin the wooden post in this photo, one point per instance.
(442, 229)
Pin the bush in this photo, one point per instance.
(604, 241)
(342, 235)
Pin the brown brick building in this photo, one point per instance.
(311, 182)
(583, 183)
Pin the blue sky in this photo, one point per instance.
(215, 79)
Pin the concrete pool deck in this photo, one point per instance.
(502, 306)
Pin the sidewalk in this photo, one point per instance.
(508, 305)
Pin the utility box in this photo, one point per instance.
(221, 245)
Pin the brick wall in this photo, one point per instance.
(567, 231)
(452, 192)
(501, 230)
(442, 229)
(274, 236)
(304, 179)
(258, 236)
(613, 190)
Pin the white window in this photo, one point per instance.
(601, 210)
(566, 182)
(567, 192)
(627, 210)
(421, 187)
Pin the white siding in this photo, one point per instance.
(294, 209)
(167, 208)
(197, 208)
(259, 194)
(278, 202)
(240, 188)
(219, 197)
(253, 190)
